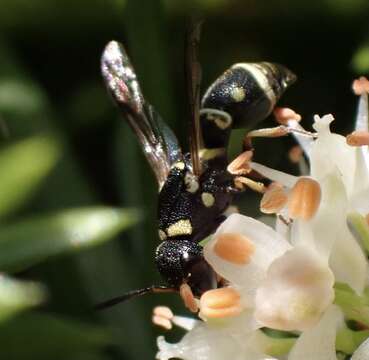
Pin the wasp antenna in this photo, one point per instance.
(193, 80)
(132, 294)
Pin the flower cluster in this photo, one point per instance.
(298, 291)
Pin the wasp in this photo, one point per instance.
(195, 188)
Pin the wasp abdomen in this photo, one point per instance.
(240, 98)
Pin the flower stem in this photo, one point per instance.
(359, 228)
(354, 307)
(348, 340)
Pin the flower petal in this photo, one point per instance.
(297, 290)
(304, 141)
(348, 261)
(268, 245)
(275, 175)
(319, 342)
(207, 343)
(361, 174)
(330, 151)
(361, 122)
(362, 353)
(331, 216)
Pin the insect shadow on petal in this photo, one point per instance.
(195, 188)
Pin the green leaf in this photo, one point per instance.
(16, 296)
(22, 167)
(26, 243)
(41, 336)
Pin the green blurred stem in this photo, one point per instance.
(277, 346)
(354, 307)
(348, 340)
(359, 228)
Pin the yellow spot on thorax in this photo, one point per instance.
(181, 227)
(207, 199)
(179, 165)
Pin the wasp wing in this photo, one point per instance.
(193, 80)
(159, 144)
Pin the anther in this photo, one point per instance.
(220, 303)
(360, 86)
(274, 199)
(295, 154)
(188, 298)
(234, 248)
(284, 115)
(162, 316)
(304, 199)
(163, 311)
(240, 165)
(358, 138)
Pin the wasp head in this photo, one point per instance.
(182, 261)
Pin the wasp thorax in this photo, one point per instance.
(182, 261)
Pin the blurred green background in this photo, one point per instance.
(72, 174)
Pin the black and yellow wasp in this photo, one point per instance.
(195, 188)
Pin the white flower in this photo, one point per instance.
(284, 278)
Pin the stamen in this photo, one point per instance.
(274, 199)
(284, 115)
(304, 199)
(295, 154)
(275, 175)
(358, 138)
(184, 322)
(234, 248)
(162, 316)
(163, 311)
(269, 132)
(162, 322)
(220, 303)
(240, 181)
(188, 298)
(360, 86)
(240, 165)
